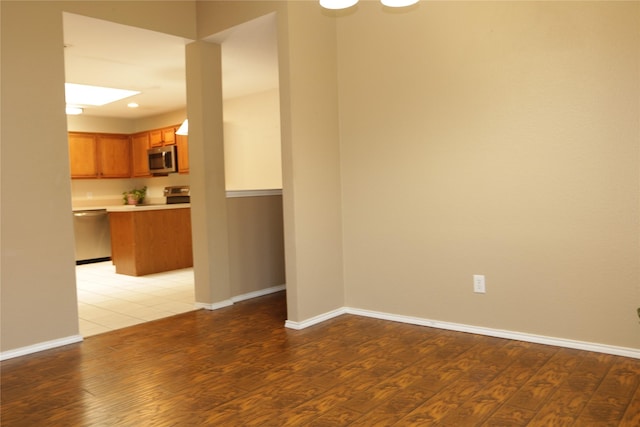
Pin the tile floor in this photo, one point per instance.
(108, 301)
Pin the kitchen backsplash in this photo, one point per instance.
(107, 192)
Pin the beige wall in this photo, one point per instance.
(495, 138)
(310, 146)
(206, 167)
(104, 192)
(84, 123)
(252, 148)
(311, 162)
(256, 243)
(161, 120)
(38, 300)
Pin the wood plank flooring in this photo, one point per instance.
(239, 366)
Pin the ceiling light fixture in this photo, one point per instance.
(343, 4)
(337, 4)
(133, 105)
(398, 3)
(184, 128)
(94, 95)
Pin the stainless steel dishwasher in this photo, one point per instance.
(92, 235)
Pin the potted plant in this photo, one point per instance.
(135, 196)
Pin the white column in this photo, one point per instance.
(206, 167)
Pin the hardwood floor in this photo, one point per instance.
(239, 366)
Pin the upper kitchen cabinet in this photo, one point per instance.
(169, 135)
(160, 137)
(139, 158)
(83, 155)
(114, 156)
(182, 144)
(99, 155)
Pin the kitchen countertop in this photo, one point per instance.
(151, 207)
(135, 208)
(112, 205)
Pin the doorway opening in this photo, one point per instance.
(254, 171)
(106, 54)
(252, 156)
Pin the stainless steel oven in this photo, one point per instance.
(177, 194)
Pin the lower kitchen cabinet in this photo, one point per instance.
(151, 241)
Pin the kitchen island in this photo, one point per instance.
(147, 239)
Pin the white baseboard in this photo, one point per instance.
(258, 293)
(47, 345)
(215, 305)
(238, 298)
(315, 320)
(458, 327)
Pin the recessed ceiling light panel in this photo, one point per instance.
(72, 110)
(94, 95)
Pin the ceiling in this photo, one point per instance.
(107, 54)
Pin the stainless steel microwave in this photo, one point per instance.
(163, 160)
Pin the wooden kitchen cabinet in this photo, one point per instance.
(99, 155)
(182, 144)
(169, 135)
(114, 156)
(155, 138)
(139, 158)
(151, 241)
(96, 155)
(83, 155)
(160, 137)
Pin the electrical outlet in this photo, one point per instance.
(478, 284)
